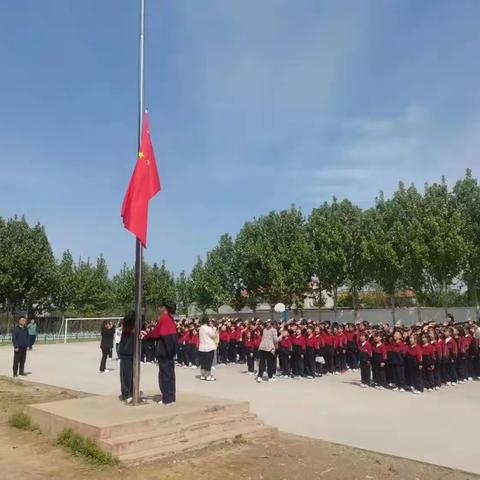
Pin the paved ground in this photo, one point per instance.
(440, 427)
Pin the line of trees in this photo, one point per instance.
(427, 242)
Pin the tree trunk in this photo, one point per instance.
(354, 304)
(394, 317)
(335, 303)
(445, 302)
(475, 299)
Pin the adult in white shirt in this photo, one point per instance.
(206, 349)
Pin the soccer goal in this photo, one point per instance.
(85, 328)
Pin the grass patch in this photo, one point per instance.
(239, 439)
(21, 421)
(85, 448)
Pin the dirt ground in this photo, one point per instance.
(32, 456)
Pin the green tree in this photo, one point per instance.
(184, 293)
(467, 195)
(123, 285)
(65, 295)
(445, 245)
(159, 286)
(200, 290)
(28, 271)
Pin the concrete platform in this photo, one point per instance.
(149, 431)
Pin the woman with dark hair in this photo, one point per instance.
(125, 354)
(106, 344)
(206, 349)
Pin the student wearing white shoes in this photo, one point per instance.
(267, 351)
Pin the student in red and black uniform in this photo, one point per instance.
(379, 360)
(462, 346)
(396, 359)
(239, 336)
(232, 345)
(450, 357)
(351, 347)
(285, 352)
(437, 343)
(310, 349)
(194, 342)
(365, 357)
(428, 355)
(298, 353)
(329, 351)
(473, 358)
(257, 341)
(339, 345)
(224, 340)
(249, 346)
(319, 351)
(183, 354)
(414, 365)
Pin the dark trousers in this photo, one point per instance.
(428, 377)
(379, 377)
(451, 370)
(267, 361)
(206, 360)
(365, 371)
(398, 375)
(310, 362)
(351, 355)
(19, 358)
(166, 380)
(31, 342)
(329, 359)
(437, 373)
(413, 373)
(297, 361)
(232, 351)
(340, 360)
(462, 366)
(223, 352)
(241, 352)
(126, 376)
(250, 359)
(103, 361)
(284, 357)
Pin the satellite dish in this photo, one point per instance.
(279, 308)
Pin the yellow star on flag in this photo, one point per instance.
(140, 154)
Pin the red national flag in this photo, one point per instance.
(144, 185)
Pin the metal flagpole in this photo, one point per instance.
(139, 247)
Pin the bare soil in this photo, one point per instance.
(32, 456)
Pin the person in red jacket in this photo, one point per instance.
(224, 340)
(365, 357)
(379, 360)
(450, 357)
(319, 353)
(249, 347)
(310, 349)
(437, 343)
(414, 365)
(194, 342)
(462, 345)
(285, 353)
(329, 351)
(298, 353)
(428, 355)
(351, 347)
(339, 345)
(396, 360)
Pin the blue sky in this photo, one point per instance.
(254, 105)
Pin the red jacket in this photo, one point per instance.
(464, 344)
(286, 343)
(350, 336)
(340, 340)
(450, 350)
(319, 339)
(257, 339)
(311, 341)
(328, 339)
(415, 351)
(249, 339)
(439, 347)
(380, 349)
(194, 340)
(224, 336)
(429, 350)
(364, 348)
(298, 341)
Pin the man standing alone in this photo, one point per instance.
(32, 333)
(21, 342)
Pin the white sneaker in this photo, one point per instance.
(470, 379)
(454, 384)
(401, 389)
(396, 389)
(416, 392)
(259, 379)
(129, 400)
(363, 385)
(391, 385)
(429, 389)
(213, 368)
(106, 371)
(211, 379)
(203, 378)
(437, 389)
(379, 387)
(310, 377)
(271, 380)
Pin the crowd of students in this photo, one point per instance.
(421, 357)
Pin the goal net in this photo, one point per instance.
(78, 329)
